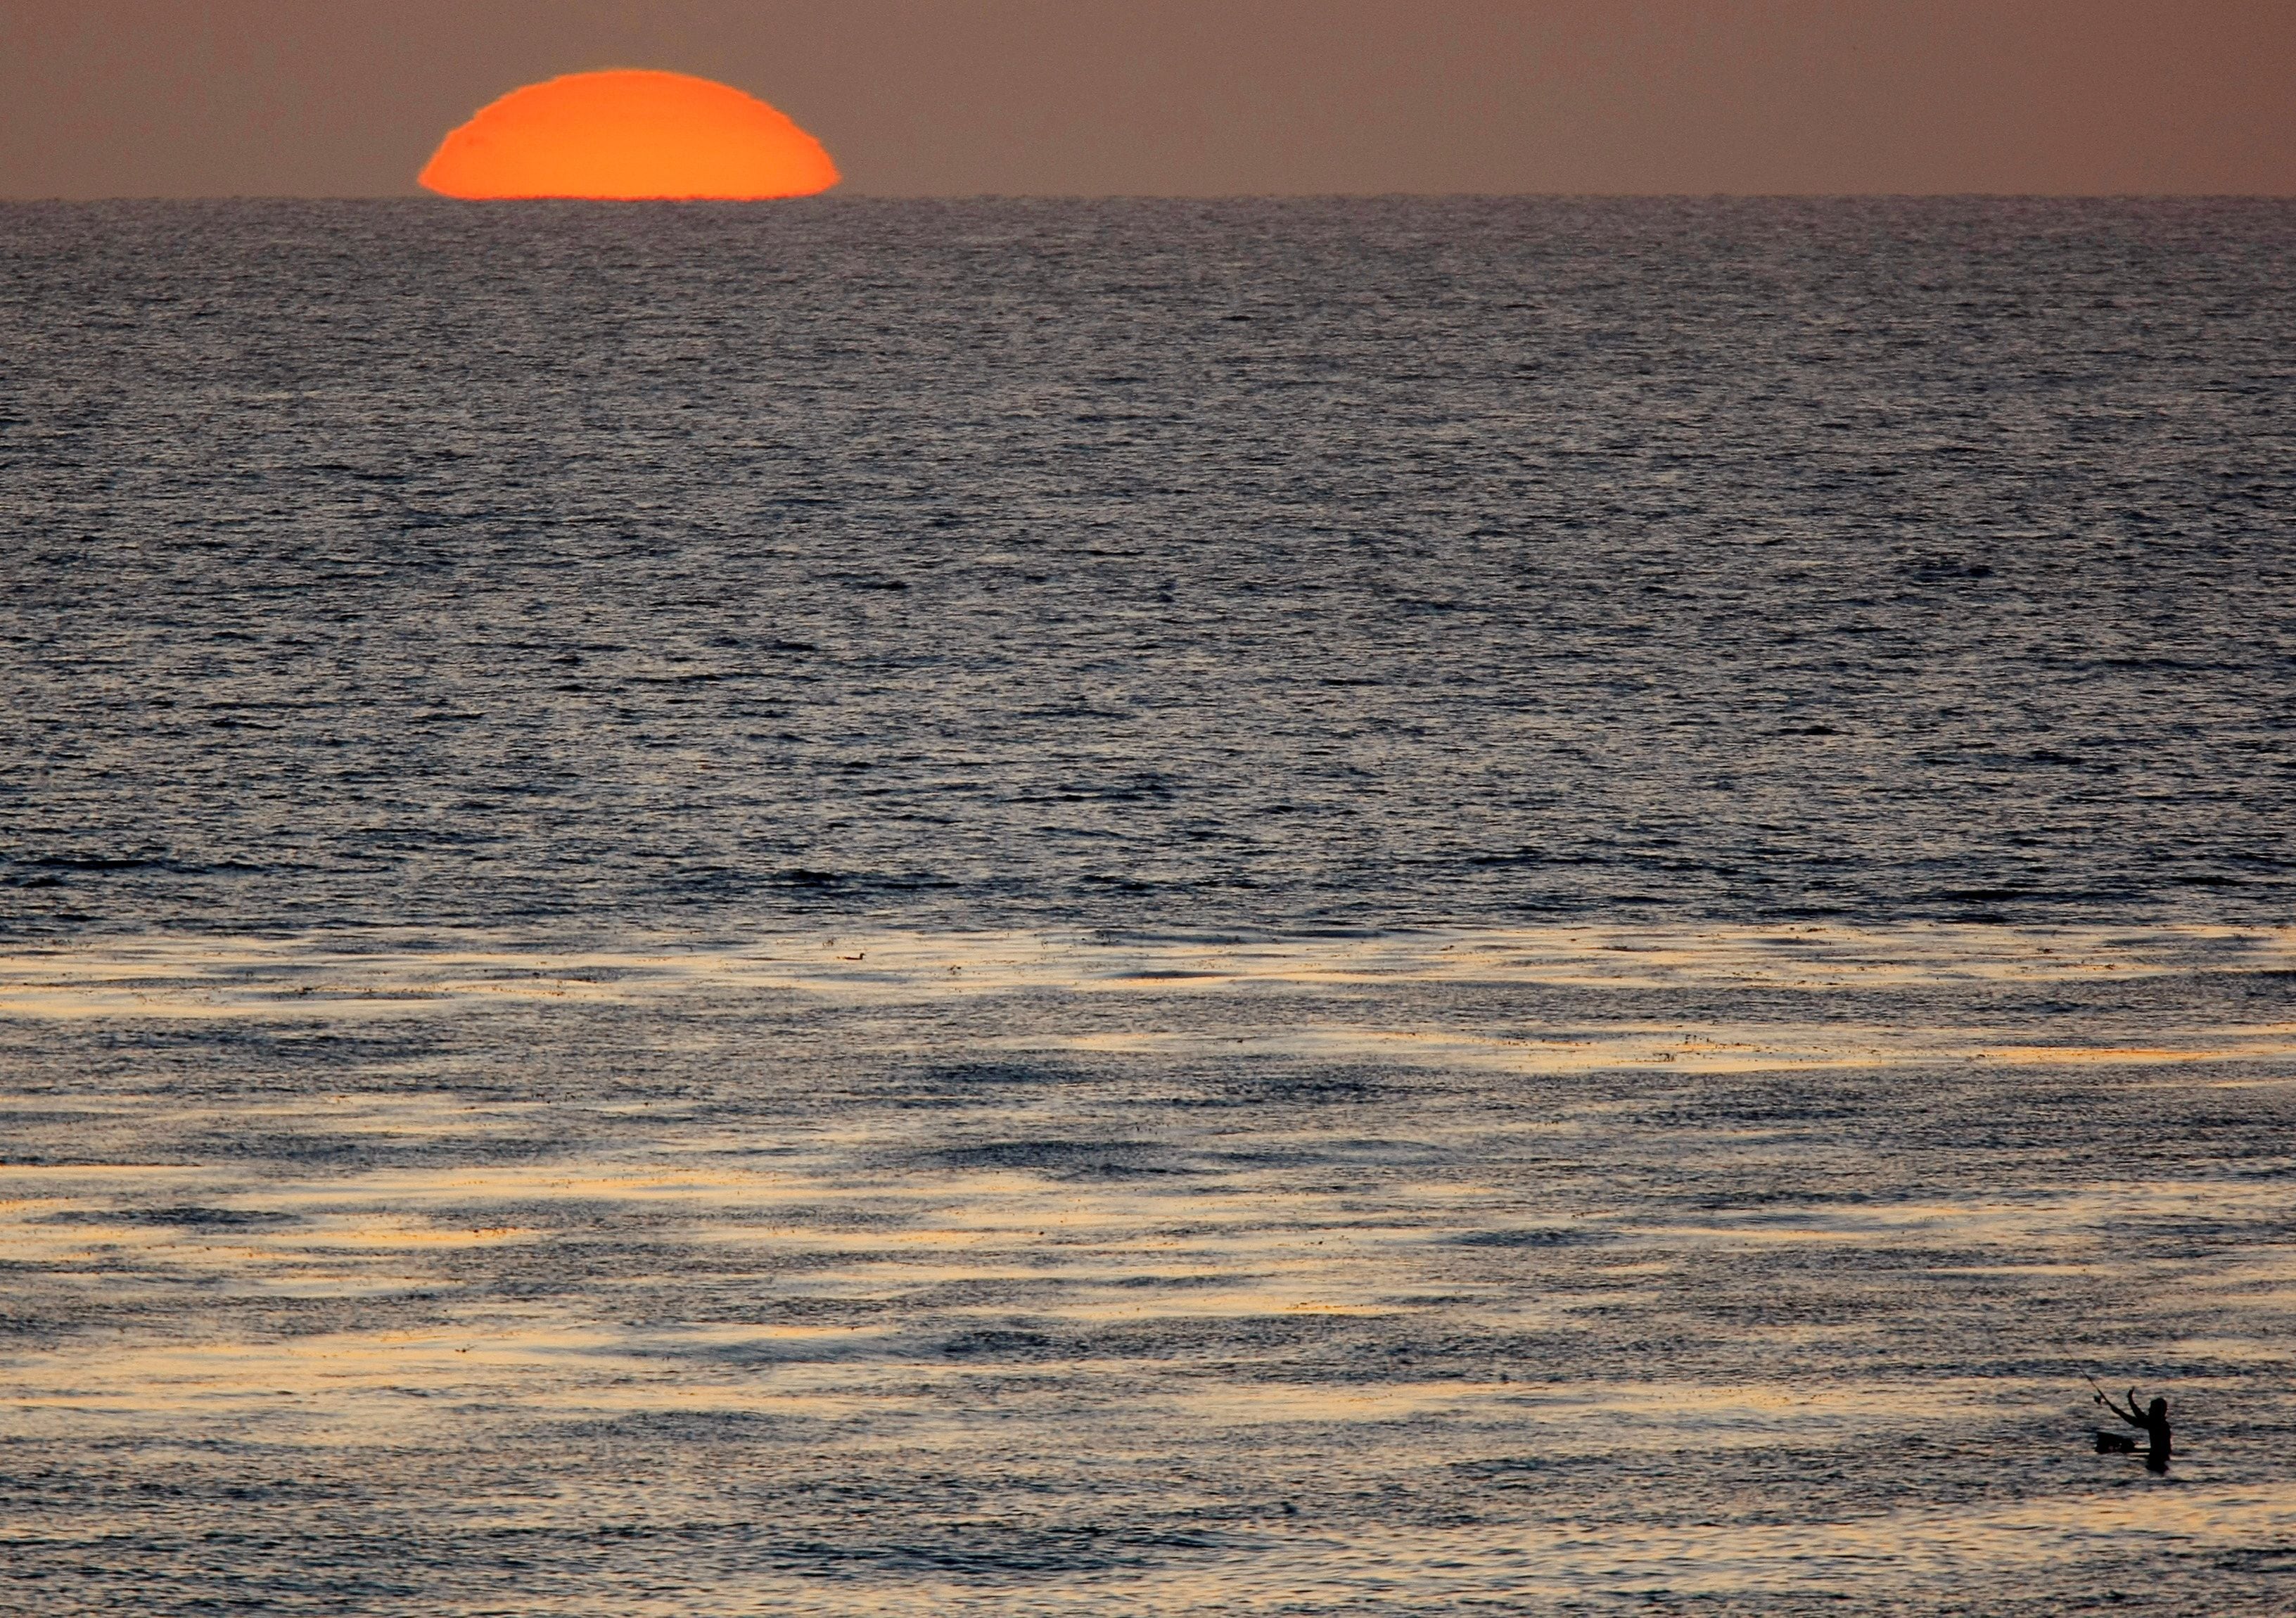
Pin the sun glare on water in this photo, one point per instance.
(628, 134)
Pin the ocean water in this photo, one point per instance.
(1326, 906)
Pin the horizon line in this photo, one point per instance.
(1179, 196)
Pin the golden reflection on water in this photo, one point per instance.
(210, 977)
(843, 1272)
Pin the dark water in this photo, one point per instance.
(1146, 566)
(1145, 908)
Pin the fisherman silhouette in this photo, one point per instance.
(2154, 1422)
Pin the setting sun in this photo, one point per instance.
(628, 134)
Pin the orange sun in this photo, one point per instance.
(628, 134)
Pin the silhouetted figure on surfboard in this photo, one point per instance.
(2152, 1422)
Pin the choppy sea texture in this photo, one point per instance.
(1733, 1270)
(1266, 907)
(1146, 566)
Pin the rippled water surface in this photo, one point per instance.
(1259, 908)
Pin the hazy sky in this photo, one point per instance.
(347, 97)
